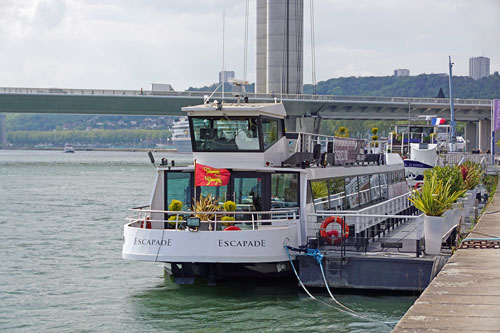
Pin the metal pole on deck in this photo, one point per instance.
(452, 110)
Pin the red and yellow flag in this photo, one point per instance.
(208, 176)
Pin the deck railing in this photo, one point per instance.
(212, 221)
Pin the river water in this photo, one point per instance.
(62, 216)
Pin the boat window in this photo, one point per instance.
(319, 190)
(364, 189)
(219, 192)
(337, 195)
(225, 133)
(383, 186)
(284, 190)
(270, 131)
(178, 188)
(352, 193)
(375, 187)
(248, 193)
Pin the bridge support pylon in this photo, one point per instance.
(3, 131)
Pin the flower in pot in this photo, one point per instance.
(175, 205)
(434, 198)
(229, 206)
(471, 174)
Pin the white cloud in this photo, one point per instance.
(125, 44)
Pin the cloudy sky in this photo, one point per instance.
(125, 44)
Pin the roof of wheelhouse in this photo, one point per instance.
(237, 109)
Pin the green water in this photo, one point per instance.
(61, 217)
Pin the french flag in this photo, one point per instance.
(438, 121)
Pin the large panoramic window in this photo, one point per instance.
(219, 192)
(337, 194)
(225, 133)
(178, 186)
(319, 191)
(270, 131)
(352, 193)
(375, 187)
(284, 190)
(364, 189)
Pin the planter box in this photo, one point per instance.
(433, 233)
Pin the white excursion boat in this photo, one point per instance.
(68, 148)
(420, 146)
(283, 185)
(180, 139)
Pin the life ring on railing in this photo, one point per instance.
(332, 237)
(148, 223)
(232, 228)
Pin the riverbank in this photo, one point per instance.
(465, 296)
(167, 150)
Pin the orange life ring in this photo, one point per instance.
(148, 223)
(328, 235)
(232, 228)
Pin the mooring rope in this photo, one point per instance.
(319, 257)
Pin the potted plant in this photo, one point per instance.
(207, 206)
(176, 219)
(229, 206)
(434, 198)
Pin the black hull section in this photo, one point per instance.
(185, 273)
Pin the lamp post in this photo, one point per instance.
(452, 110)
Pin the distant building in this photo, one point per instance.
(226, 75)
(479, 67)
(402, 72)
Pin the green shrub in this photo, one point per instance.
(229, 206)
(436, 196)
(175, 205)
(448, 173)
(471, 174)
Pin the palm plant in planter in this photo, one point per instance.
(434, 198)
(471, 174)
(207, 206)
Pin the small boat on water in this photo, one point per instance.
(68, 148)
(289, 192)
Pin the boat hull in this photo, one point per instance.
(178, 246)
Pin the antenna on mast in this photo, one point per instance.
(223, 65)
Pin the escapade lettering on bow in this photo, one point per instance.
(244, 243)
(144, 241)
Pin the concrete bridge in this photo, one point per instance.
(304, 111)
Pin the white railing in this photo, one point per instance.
(255, 219)
(201, 94)
(365, 218)
(458, 158)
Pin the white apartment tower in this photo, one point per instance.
(280, 46)
(225, 76)
(401, 72)
(479, 67)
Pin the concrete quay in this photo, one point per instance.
(465, 295)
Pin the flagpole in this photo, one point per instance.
(194, 183)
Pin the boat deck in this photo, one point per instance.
(390, 260)
(465, 296)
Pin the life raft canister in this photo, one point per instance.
(332, 237)
(148, 223)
